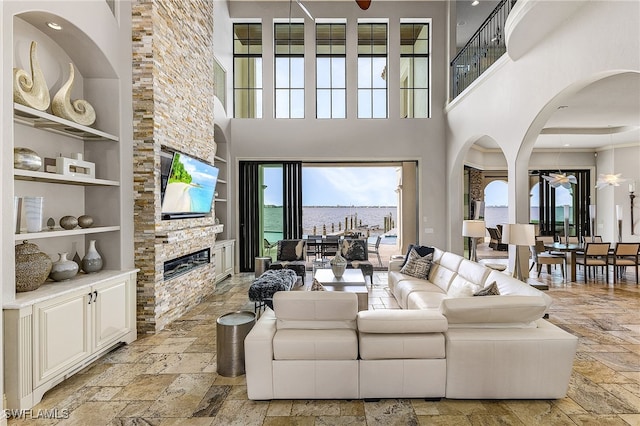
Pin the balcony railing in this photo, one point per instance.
(483, 49)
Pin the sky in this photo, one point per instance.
(344, 186)
(495, 194)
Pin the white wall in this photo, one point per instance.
(624, 160)
(515, 98)
(352, 139)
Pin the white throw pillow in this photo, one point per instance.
(460, 288)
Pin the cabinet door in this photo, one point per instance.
(228, 259)
(62, 334)
(111, 313)
(218, 255)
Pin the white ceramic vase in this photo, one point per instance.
(33, 213)
(63, 268)
(92, 261)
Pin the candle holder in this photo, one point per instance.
(619, 230)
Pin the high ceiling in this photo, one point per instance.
(603, 114)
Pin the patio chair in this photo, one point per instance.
(375, 249)
(625, 254)
(594, 255)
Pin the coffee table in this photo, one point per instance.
(351, 281)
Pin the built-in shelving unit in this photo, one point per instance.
(56, 178)
(59, 232)
(222, 188)
(52, 332)
(45, 121)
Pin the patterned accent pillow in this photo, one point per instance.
(422, 251)
(354, 250)
(418, 266)
(291, 250)
(317, 286)
(490, 290)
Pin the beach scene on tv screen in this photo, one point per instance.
(191, 186)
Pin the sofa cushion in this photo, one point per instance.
(401, 321)
(441, 276)
(451, 261)
(315, 344)
(490, 290)
(517, 311)
(401, 346)
(405, 287)
(315, 309)
(417, 266)
(473, 272)
(421, 250)
(425, 300)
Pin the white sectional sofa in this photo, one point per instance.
(316, 345)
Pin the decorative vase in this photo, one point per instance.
(79, 111)
(63, 268)
(85, 221)
(33, 213)
(338, 265)
(32, 267)
(31, 90)
(26, 159)
(68, 222)
(92, 261)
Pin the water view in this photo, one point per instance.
(319, 216)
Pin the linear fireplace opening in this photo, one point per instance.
(181, 265)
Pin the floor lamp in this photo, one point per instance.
(518, 234)
(473, 229)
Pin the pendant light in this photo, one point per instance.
(560, 178)
(613, 178)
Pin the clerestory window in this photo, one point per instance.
(414, 70)
(247, 70)
(289, 70)
(372, 70)
(331, 70)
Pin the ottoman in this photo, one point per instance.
(266, 285)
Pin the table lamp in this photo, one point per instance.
(473, 229)
(518, 234)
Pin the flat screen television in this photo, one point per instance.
(187, 187)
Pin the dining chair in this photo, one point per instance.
(330, 245)
(625, 254)
(541, 257)
(594, 255)
(313, 246)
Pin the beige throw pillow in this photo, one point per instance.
(490, 290)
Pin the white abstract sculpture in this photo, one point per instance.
(79, 111)
(31, 90)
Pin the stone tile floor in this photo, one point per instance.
(170, 378)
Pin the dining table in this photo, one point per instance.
(572, 249)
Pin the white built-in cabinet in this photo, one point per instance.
(224, 255)
(52, 334)
(56, 330)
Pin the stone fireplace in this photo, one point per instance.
(173, 90)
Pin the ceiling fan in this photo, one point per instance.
(364, 4)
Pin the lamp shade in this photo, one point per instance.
(473, 228)
(519, 234)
